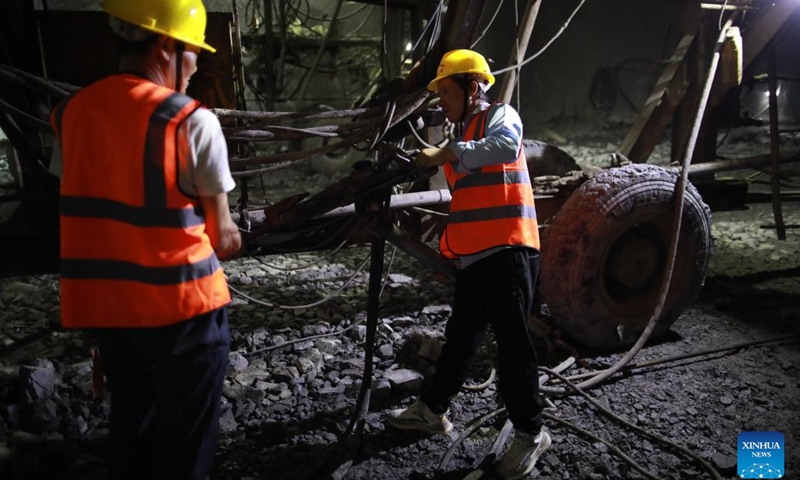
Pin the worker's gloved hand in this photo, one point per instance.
(433, 157)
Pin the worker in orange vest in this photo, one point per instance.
(144, 223)
(493, 237)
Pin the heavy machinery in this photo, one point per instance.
(605, 235)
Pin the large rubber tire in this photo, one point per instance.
(604, 254)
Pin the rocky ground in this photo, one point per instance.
(296, 367)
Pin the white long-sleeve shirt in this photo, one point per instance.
(501, 144)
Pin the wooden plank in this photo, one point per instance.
(683, 117)
(675, 81)
(659, 106)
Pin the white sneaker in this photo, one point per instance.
(419, 417)
(520, 459)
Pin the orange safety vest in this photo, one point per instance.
(134, 249)
(491, 206)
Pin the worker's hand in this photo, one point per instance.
(433, 157)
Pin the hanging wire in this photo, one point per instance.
(437, 31)
(341, 17)
(435, 17)
(302, 17)
(252, 9)
(721, 14)
(388, 271)
(547, 45)
(384, 53)
(416, 135)
(483, 33)
(363, 22)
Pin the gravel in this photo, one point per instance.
(295, 371)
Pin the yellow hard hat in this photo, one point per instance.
(462, 62)
(183, 20)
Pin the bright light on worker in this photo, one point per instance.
(408, 47)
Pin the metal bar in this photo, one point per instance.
(769, 227)
(714, 6)
(767, 198)
(423, 253)
(269, 55)
(355, 429)
(377, 250)
(402, 200)
(763, 77)
(738, 163)
(238, 62)
(777, 211)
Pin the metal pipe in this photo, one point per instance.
(714, 6)
(738, 163)
(269, 55)
(775, 184)
(423, 253)
(403, 200)
(238, 62)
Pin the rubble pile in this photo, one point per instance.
(295, 371)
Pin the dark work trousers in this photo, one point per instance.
(498, 291)
(166, 386)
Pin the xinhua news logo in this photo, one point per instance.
(760, 455)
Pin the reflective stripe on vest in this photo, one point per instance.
(134, 250)
(492, 206)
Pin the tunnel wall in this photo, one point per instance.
(605, 63)
(617, 45)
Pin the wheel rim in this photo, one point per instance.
(633, 265)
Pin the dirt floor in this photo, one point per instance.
(730, 364)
